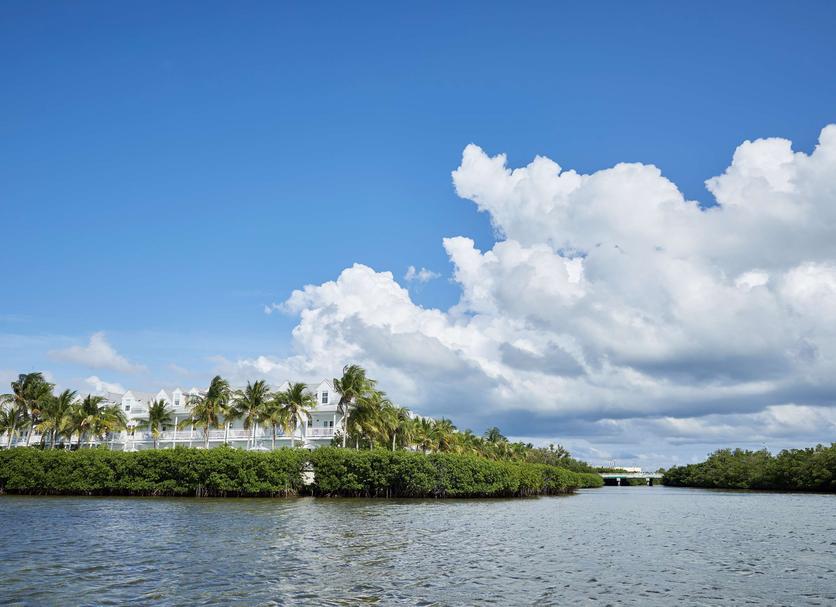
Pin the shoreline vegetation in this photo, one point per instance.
(325, 472)
(801, 470)
(379, 449)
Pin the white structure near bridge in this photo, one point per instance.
(317, 431)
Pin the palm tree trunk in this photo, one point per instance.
(226, 433)
(29, 433)
(11, 434)
(206, 437)
(252, 435)
(54, 434)
(273, 447)
(394, 436)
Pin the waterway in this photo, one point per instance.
(612, 546)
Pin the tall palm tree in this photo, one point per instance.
(423, 431)
(229, 414)
(294, 405)
(29, 393)
(352, 385)
(275, 416)
(12, 420)
(404, 428)
(159, 416)
(110, 419)
(82, 416)
(54, 415)
(493, 435)
(250, 404)
(205, 410)
(443, 434)
(367, 417)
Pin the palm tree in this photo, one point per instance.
(82, 416)
(368, 417)
(110, 419)
(54, 415)
(205, 410)
(351, 386)
(404, 428)
(443, 434)
(250, 404)
(159, 416)
(423, 432)
(229, 415)
(467, 442)
(274, 414)
(11, 420)
(294, 405)
(493, 435)
(29, 393)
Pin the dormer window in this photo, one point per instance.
(324, 398)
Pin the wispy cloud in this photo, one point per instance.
(101, 386)
(422, 276)
(98, 354)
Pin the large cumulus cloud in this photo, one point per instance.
(609, 304)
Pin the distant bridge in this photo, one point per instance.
(649, 477)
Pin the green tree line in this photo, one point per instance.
(812, 469)
(232, 472)
(369, 419)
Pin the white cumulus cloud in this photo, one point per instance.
(608, 299)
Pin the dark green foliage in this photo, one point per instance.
(557, 457)
(378, 472)
(791, 470)
(233, 472)
(182, 471)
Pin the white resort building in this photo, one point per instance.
(316, 432)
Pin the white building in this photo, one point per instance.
(315, 432)
(318, 431)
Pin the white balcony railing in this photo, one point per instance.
(180, 437)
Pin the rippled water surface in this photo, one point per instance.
(610, 546)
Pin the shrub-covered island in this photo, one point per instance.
(322, 472)
(791, 470)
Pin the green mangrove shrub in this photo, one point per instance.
(812, 469)
(233, 472)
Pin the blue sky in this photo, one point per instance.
(167, 169)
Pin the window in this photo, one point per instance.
(329, 423)
(176, 402)
(324, 398)
(128, 407)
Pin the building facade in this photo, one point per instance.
(319, 430)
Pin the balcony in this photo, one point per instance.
(215, 435)
(320, 433)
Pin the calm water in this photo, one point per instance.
(610, 546)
